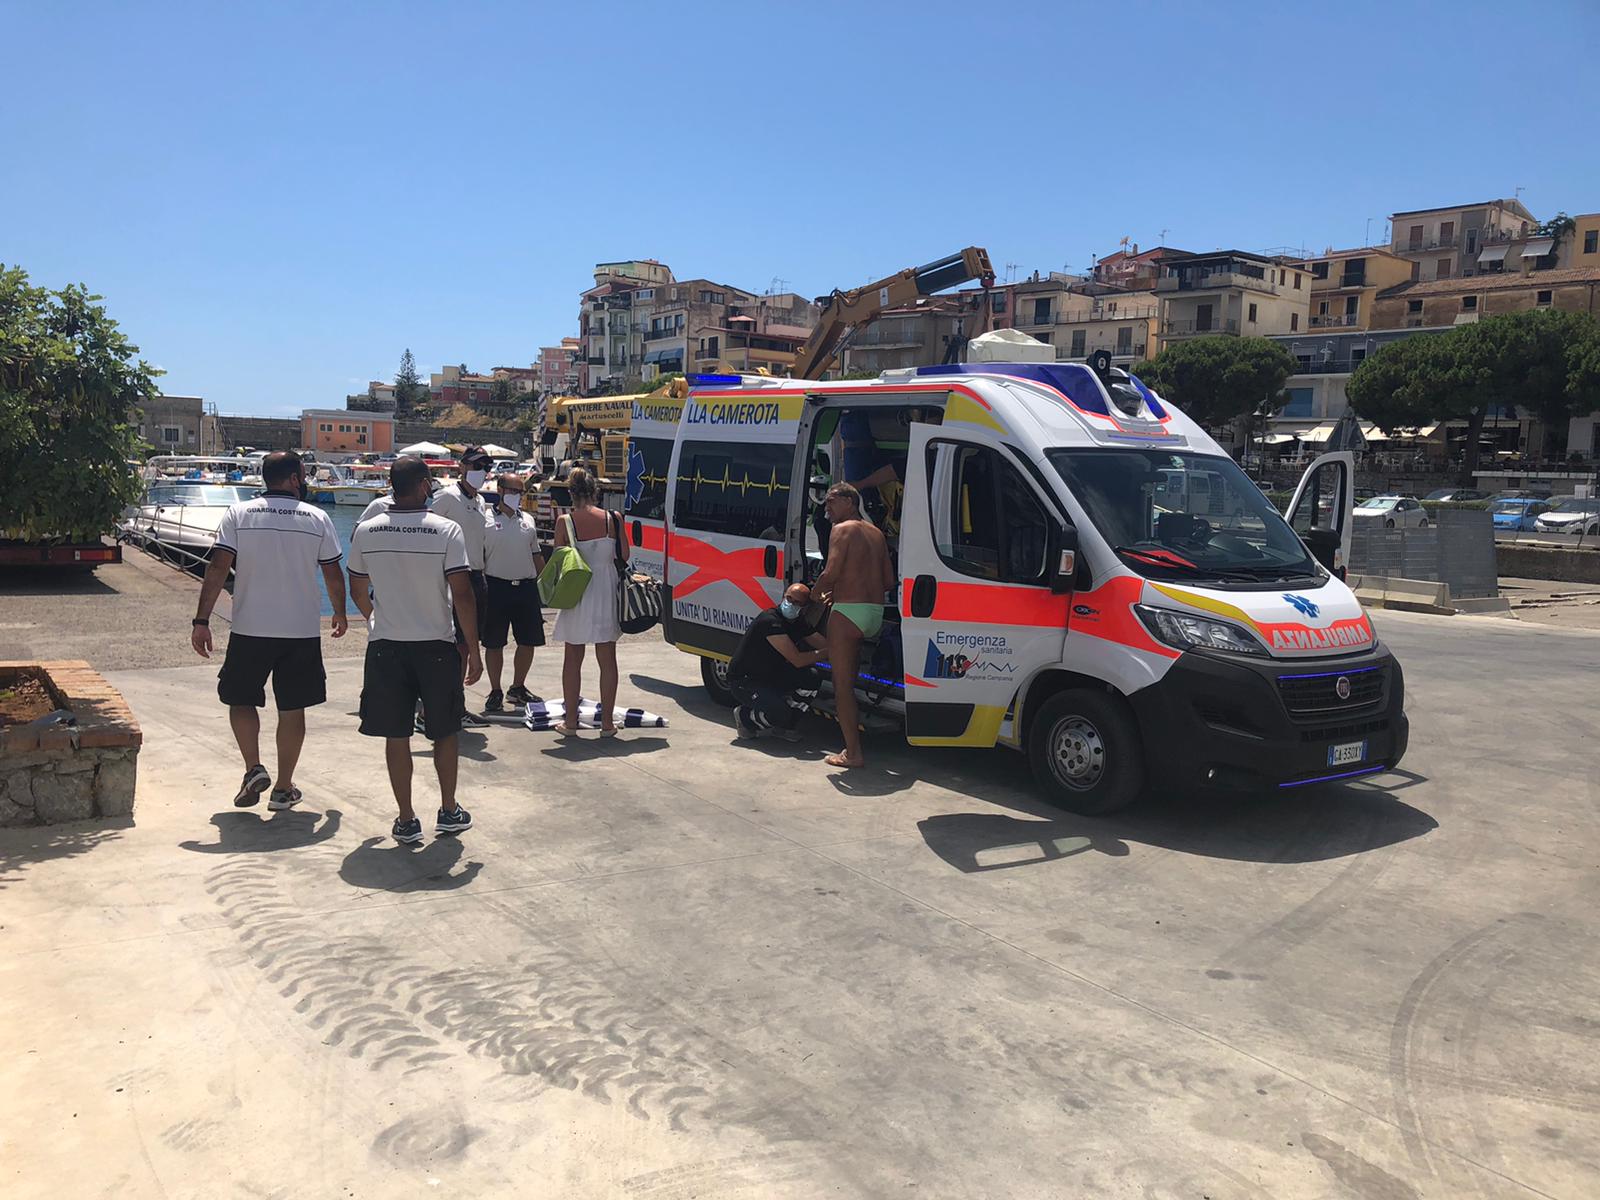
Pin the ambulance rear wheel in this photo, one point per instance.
(714, 674)
(1084, 749)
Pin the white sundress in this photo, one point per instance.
(593, 620)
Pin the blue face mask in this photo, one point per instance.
(790, 610)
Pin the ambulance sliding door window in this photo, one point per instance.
(986, 521)
(649, 461)
(737, 489)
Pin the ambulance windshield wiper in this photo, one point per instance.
(1158, 557)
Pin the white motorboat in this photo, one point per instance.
(203, 468)
(183, 514)
(341, 483)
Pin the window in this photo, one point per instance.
(1125, 339)
(1358, 355)
(1041, 312)
(645, 294)
(1046, 338)
(1319, 270)
(1202, 318)
(1322, 308)
(987, 522)
(1294, 322)
(171, 435)
(1415, 239)
(325, 428)
(734, 488)
(998, 302)
(1591, 241)
(1413, 306)
(1300, 403)
(1078, 339)
(646, 496)
(1252, 317)
(361, 439)
(1442, 269)
(1543, 299)
(1351, 303)
(1472, 241)
(1469, 304)
(1447, 232)
(1297, 281)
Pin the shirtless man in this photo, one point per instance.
(854, 582)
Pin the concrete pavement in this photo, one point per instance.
(676, 966)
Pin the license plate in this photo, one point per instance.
(1345, 754)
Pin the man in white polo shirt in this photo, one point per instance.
(275, 545)
(408, 566)
(463, 503)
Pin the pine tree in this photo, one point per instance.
(408, 389)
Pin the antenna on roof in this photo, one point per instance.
(1517, 193)
(1011, 271)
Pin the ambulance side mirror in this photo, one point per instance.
(1063, 551)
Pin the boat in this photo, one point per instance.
(343, 483)
(181, 516)
(203, 468)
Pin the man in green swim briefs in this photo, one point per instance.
(854, 581)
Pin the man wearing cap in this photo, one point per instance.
(461, 502)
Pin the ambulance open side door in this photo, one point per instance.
(1322, 510)
(981, 607)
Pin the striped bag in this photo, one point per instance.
(638, 596)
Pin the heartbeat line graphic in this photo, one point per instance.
(744, 485)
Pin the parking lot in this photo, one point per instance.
(674, 965)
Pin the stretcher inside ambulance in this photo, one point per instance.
(1085, 575)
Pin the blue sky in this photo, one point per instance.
(277, 199)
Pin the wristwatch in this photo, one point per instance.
(201, 621)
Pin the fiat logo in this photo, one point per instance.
(1341, 687)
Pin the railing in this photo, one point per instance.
(1331, 366)
(1214, 325)
(1352, 281)
(1134, 350)
(1333, 320)
(1437, 243)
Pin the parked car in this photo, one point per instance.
(1571, 515)
(1456, 495)
(1395, 512)
(1518, 512)
(1521, 494)
(1366, 493)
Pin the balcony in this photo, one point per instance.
(1194, 327)
(595, 360)
(1438, 243)
(1103, 316)
(1133, 350)
(1325, 366)
(1216, 281)
(1335, 321)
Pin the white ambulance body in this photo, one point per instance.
(1084, 574)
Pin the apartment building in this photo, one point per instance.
(1132, 269)
(1078, 316)
(763, 334)
(339, 431)
(379, 397)
(172, 424)
(1345, 283)
(1431, 303)
(1316, 392)
(918, 335)
(1445, 243)
(558, 367)
(1231, 292)
(612, 351)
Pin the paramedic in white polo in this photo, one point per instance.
(408, 566)
(275, 545)
(463, 503)
(511, 564)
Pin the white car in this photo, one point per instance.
(1394, 512)
(1571, 515)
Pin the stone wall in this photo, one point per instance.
(70, 772)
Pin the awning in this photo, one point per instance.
(1320, 434)
(1373, 434)
(1538, 247)
(670, 354)
(494, 451)
(424, 449)
(1492, 254)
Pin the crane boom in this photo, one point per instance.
(846, 310)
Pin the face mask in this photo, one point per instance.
(475, 479)
(512, 500)
(790, 610)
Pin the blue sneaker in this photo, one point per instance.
(407, 832)
(453, 822)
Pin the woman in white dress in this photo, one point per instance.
(593, 620)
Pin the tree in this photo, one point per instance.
(1544, 361)
(408, 389)
(70, 387)
(501, 392)
(1557, 227)
(1217, 379)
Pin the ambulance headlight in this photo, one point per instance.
(1188, 631)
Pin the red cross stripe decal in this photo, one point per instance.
(742, 568)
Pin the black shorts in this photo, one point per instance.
(513, 606)
(398, 675)
(295, 664)
(480, 596)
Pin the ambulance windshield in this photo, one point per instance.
(1190, 516)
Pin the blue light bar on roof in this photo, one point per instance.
(714, 380)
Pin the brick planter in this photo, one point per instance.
(69, 773)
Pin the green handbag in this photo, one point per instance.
(566, 576)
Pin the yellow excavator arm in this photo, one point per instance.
(846, 310)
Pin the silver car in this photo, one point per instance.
(1571, 515)
(1393, 512)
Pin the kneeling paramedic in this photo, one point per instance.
(770, 666)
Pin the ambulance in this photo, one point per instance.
(1067, 587)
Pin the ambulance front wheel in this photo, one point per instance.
(1084, 749)
(714, 674)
